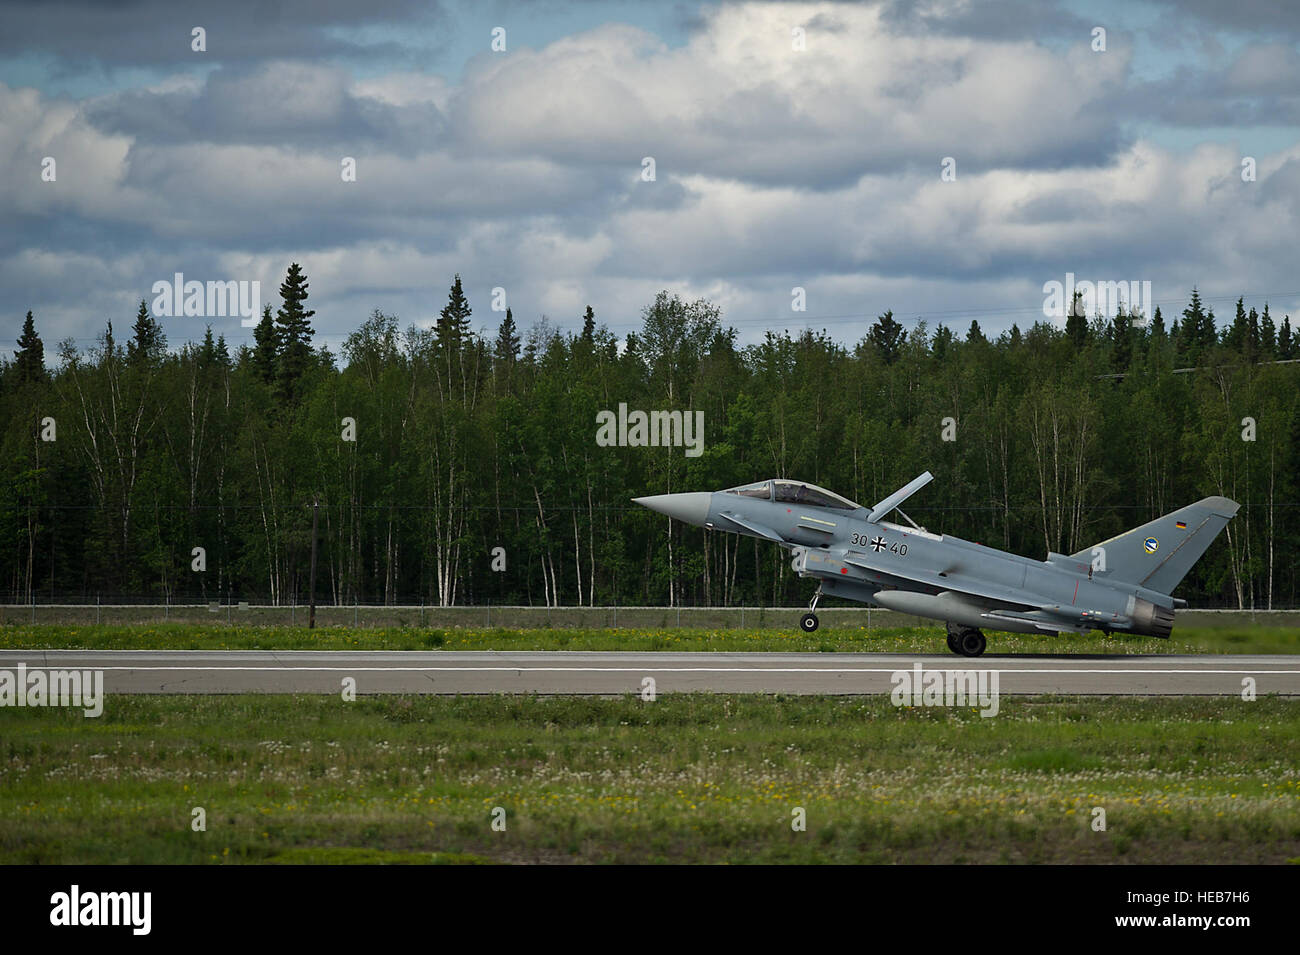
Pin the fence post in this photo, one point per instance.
(315, 513)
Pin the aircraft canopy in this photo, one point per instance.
(794, 492)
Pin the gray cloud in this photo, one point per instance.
(998, 20)
(775, 168)
(1260, 85)
(1240, 16)
(157, 32)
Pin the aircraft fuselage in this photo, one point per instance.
(853, 553)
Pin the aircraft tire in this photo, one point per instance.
(808, 622)
(972, 643)
(954, 637)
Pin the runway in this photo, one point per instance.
(612, 673)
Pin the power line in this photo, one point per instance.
(1010, 310)
(531, 508)
(800, 319)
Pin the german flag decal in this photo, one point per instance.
(1181, 525)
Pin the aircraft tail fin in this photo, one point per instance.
(1159, 554)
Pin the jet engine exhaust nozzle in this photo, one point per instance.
(1151, 620)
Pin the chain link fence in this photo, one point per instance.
(244, 614)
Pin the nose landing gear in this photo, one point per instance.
(966, 641)
(808, 622)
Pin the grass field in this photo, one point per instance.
(687, 778)
(893, 639)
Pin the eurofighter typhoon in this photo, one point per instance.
(1124, 583)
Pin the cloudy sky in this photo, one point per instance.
(775, 166)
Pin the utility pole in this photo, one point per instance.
(311, 586)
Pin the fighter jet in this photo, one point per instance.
(1122, 584)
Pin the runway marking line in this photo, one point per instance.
(657, 669)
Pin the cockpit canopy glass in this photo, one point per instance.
(795, 492)
(763, 490)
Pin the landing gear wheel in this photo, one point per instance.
(971, 643)
(808, 622)
(954, 638)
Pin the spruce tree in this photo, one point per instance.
(148, 344)
(888, 337)
(1195, 327)
(1286, 340)
(589, 327)
(1234, 336)
(1267, 335)
(1076, 322)
(942, 342)
(29, 359)
(1120, 333)
(263, 354)
(208, 351)
(507, 345)
(453, 321)
(1156, 338)
(293, 333)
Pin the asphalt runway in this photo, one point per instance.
(610, 673)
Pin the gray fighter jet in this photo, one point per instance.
(1120, 584)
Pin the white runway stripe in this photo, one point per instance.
(649, 667)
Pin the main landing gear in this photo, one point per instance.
(966, 641)
(808, 622)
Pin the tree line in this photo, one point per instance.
(135, 470)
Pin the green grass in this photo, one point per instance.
(688, 778)
(342, 855)
(827, 640)
(1240, 639)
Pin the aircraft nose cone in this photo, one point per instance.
(692, 507)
